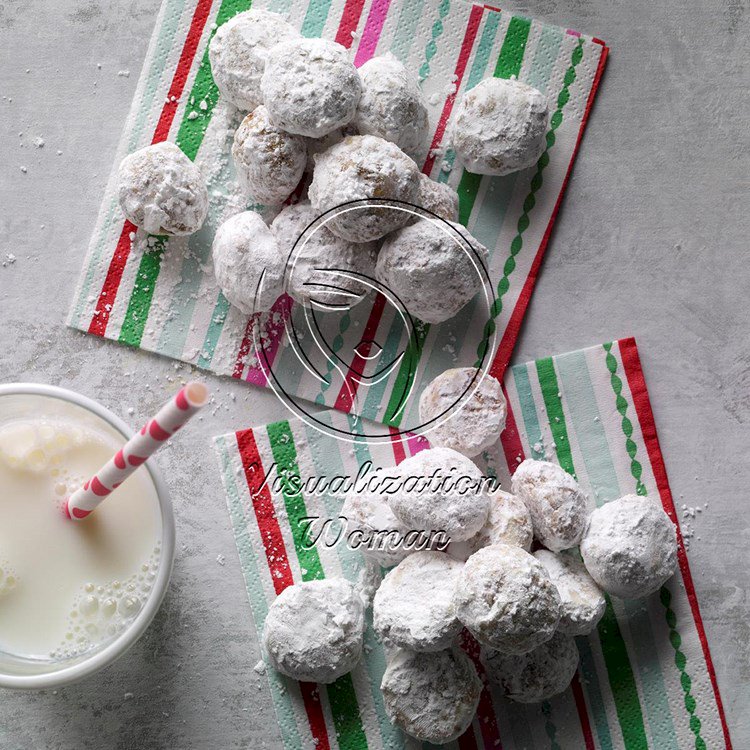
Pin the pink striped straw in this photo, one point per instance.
(173, 415)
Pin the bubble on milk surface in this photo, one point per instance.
(39, 447)
(101, 612)
(8, 578)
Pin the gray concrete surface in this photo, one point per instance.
(652, 241)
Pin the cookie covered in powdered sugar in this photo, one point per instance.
(537, 675)
(322, 261)
(162, 191)
(432, 697)
(269, 161)
(500, 126)
(434, 268)
(364, 167)
(630, 547)
(314, 631)
(413, 608)
(392, 105)
(556, 502)
(508, 522)
(506, 599)
(469, 409)
(310, 87)
(438, 197)
(248, 266)
(441, 490)
(582, 601)
(238, 51)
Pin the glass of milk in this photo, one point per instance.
(73, 596)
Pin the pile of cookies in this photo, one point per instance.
(524, 573)
(320, 134)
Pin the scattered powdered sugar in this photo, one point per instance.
(583, 602)
(247, 263)
(442, 490)
(162, 191)
(364, 167)
(413, 608)
(238, 53)
(499, 126)
(432, 697)
(506, 599)
(537, 675)
(314, 630)
(392, 105)
(508, 522)
(310, 87)
(469, 410)
(557, 505)
(435, 269)
(269, 161)
(630, 547)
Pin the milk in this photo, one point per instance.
(67, 588)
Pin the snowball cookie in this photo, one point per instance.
(537, 675)
(413, 608)
(307, 278)
(392, 105)
(557, 505)
(441, 490)
(438, 197)
(630, 547)
(248, 265)
(478, 409)
(432, 697)
(238, 53)
(508, 522)
(506, 599)
(430, 269)
(162, 191)
(310, 87)
(270, 163)
(362, 167)
(583, 602)
(500, 127)
(317, 146)
(377, 530)
(314, 631)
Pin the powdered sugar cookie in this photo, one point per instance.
(432, 697)
(310, 87)
(248, 265)
(314, 630)
(506, 599)
(630, 547)
(557, 505)
(413, 608)
(162, 191)
(508, 522)
(364, 167)
(438, 197)
(537, 675)
(238, 53)
(434, 268)
(441, 490)
(583, 602)
(392, 105)
(318, 265)
(475, 408)
(269, 162)
(378, 532)
(500, 126)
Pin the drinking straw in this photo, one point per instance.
(173, 415)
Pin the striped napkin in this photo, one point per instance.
(645, 680)
(160, 294)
